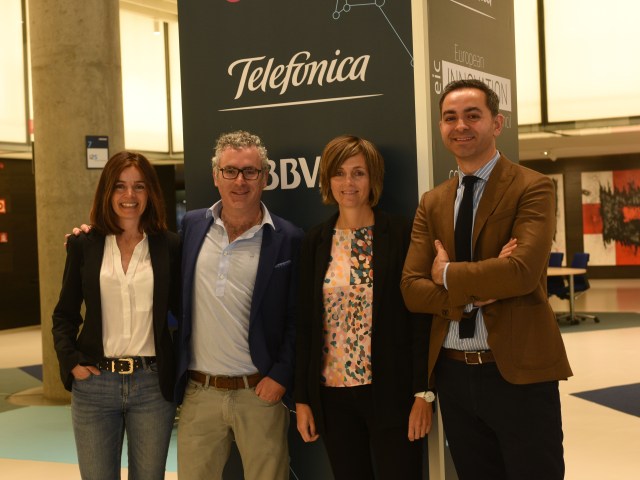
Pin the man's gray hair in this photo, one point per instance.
(237, 140)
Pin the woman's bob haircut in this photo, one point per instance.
(337, 151)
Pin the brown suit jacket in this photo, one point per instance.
(523, 333)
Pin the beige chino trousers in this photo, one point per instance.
(211, 418)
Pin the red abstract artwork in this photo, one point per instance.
(611, 217)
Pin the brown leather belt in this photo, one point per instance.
(227, 383)
(470, 358)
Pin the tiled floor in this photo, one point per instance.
(600, 442)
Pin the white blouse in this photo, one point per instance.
(127, 301)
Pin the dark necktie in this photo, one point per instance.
(464, 226)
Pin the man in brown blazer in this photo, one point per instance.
(496, 353)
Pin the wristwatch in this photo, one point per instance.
(427, 396)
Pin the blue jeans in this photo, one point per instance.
(104, 407)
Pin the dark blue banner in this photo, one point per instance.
(298, 73)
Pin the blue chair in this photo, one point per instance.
(555, 259)
(580, 284)
(555, 285)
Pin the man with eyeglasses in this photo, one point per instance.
(236, 340)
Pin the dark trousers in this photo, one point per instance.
(497, 430)
(357, 448)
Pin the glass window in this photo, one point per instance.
(176, 92)
(592, 69)
(527, 62)
(13, 110)
(144, 84)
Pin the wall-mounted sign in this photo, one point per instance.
(97, 151)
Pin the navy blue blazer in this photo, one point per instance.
(81, 283)
(272, 316)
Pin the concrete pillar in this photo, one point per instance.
(77, 91)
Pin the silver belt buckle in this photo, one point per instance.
(129, 371)
(469, 362)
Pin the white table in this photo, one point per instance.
(570, 273)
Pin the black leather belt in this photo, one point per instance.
(125, 366)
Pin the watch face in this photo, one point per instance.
(429, 397)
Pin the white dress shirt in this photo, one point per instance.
(127, 301)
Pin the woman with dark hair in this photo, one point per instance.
(361, 357)
(119, 361)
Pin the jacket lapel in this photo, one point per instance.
(193, 242)
(323, 252)
(499, 181)
(271, 242)
(380, 259)
(445, 213)
(192, 238)
(93, 263)
(160, 266)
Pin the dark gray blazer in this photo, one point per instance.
(81, 283)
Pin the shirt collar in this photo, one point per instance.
(484, 172)
(216, 208)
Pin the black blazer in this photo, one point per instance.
(400, 340)
(81, 282)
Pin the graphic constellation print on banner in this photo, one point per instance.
(346, 8)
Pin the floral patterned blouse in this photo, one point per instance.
(347, 309)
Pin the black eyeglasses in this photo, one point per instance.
(249, 173)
